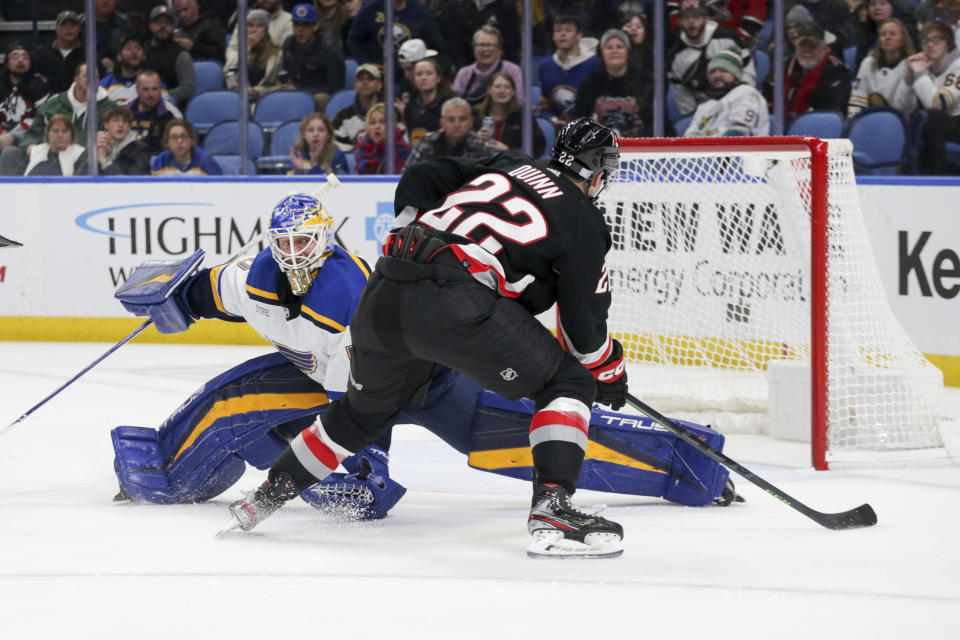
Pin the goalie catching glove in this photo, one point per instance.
(611, 377)
(367, 493)
(155, 289)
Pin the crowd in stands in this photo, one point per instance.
(459, 86)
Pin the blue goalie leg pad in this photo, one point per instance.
(366, 493)
(139, 464)
(625, 453)
(235, 418)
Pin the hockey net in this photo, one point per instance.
(740, 262)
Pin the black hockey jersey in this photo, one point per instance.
(524, 230)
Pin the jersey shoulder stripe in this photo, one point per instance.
(262, 279)
(332, 298)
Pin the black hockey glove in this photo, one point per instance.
(611, 377)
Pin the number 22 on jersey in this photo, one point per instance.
(493, 188)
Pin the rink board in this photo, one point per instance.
(83, 236)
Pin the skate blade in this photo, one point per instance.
(551, 544)
(231, 527)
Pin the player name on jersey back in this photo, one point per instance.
(537, 180)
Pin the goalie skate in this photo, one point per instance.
(560, 530)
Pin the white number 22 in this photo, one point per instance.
(493, 186)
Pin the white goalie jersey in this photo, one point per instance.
(316, 339)
(742, 110)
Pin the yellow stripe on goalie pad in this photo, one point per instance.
(523, 457)
(249, 403)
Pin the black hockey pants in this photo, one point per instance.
(414, 315)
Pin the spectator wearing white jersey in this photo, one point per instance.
(881, 72)
(932, 78)
(734, 108)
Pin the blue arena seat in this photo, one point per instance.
(879, 137)
(762, 62)
(549, 133)
(278, 156)
(210, 107)
(350, 67)
(224, 139)
(339, 101)
(680, 126)
(230, 165)
(822, 124)
(277, 107)
(850, 59)
(209, 75)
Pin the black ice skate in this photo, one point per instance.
(259, 504)
(729, 495)
(560, 530)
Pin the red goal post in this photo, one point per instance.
(740, 269)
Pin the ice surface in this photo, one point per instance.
(449, 562)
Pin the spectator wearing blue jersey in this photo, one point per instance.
(411, 19)
(120, 82)
(183, 157)
(562, 73)
(314, 152)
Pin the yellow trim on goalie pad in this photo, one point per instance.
(205, 331)
(249, 403)
(523, 457)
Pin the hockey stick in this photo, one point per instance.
(862, 516)
(66, 384)
(331, 183)
(7, 242)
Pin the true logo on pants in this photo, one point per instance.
(509, 374)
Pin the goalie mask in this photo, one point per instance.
(584, 149)
(301, 238)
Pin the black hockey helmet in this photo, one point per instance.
(584, 149)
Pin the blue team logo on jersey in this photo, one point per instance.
(379, 226)
(303, 360)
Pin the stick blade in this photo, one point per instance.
(862, 516)
(7, 242)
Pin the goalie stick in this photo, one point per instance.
(862, 516)
(331, 183)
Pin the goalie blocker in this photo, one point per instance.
(248, 414)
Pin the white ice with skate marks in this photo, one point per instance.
(449, 561)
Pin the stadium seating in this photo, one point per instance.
(277, 107)
(850, 59)
(278, 157)
(339, 101)
(549, 132)
(210, 107)
(224, 139)
(209, 76)
(680, 126)
(350, 67)
(230, 165)
(822, 124)
(762, 62)
(879, 137)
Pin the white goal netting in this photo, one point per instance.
(712, 281)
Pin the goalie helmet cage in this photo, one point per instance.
(737, 262)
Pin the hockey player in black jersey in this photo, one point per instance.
(481, 247)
